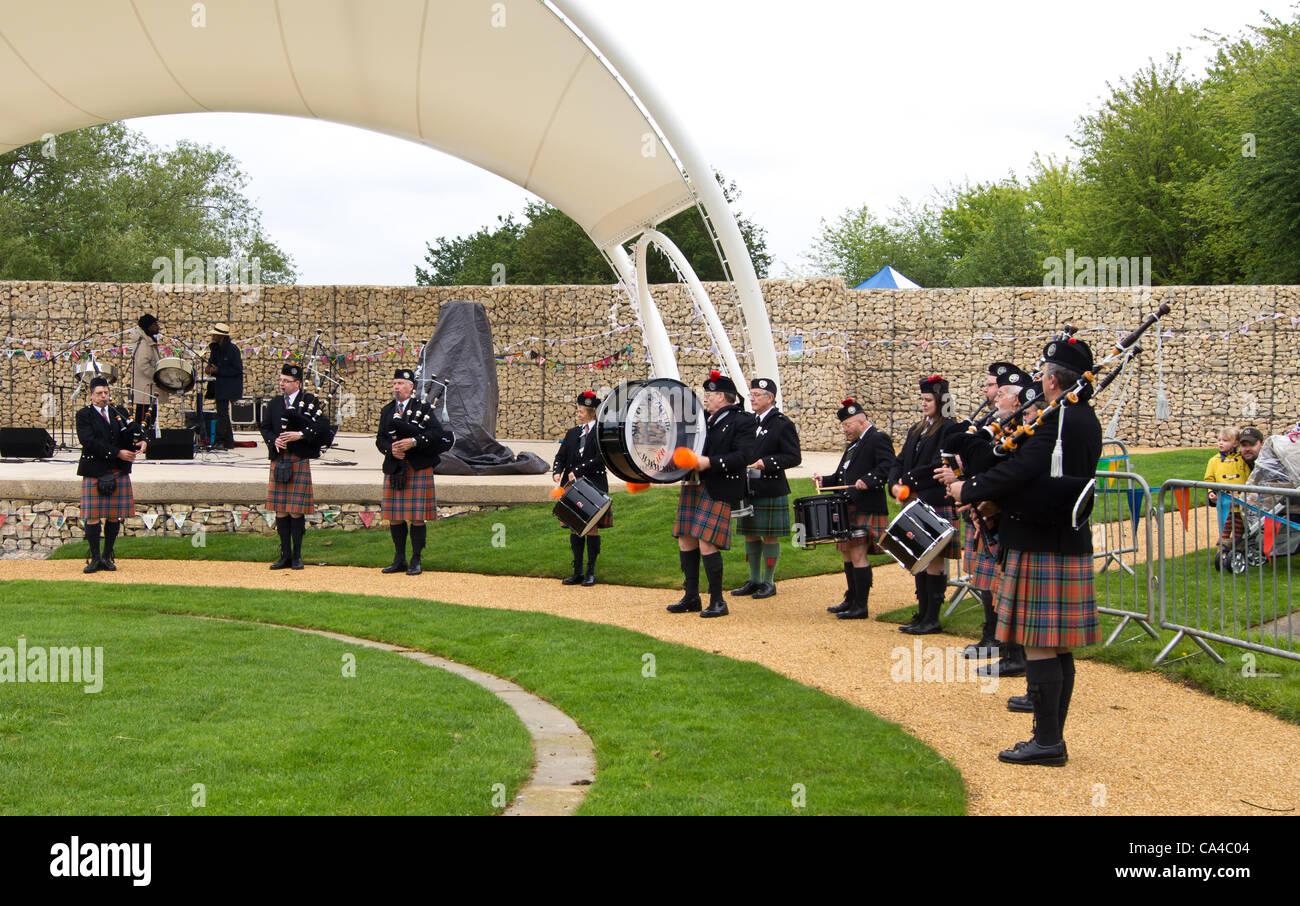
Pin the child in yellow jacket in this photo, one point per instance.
(1227, 467)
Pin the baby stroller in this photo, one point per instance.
(1278, 466)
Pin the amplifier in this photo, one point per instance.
(243, 413)
(26, 443)
(175, 443)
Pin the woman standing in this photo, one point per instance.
(579, 457)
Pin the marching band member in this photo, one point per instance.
(776, 448)
(294, 426)
(109, 446)
(579, 457)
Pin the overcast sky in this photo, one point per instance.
(811, 107)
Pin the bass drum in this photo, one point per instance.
(174, 374)
(641, 423)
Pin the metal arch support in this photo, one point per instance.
(663, 363)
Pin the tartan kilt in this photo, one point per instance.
(977, 562)
(294, 498)
(96, 506)
(770, 519)
(702, 517)
(865, 525)
(416, 502)
(949, 511)
(1047, 600)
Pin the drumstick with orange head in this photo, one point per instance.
(685, 458)
(558, 491)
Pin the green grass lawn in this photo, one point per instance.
(702, 735)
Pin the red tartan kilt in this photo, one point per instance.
(976, 560)
(865, 525)
(953, 550)
(702, 517)
(1047, 600)
(118, 506)
(294, 498)
(416, 502)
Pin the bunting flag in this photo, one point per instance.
(27, 519)
(367, 517)
(236, 517)
(59, 520)
(179, 519)
(269, 517)
(1137, 504)
(1181, 495)
(1270, 536)
(329, 515)
(149, 520)
(3, 518)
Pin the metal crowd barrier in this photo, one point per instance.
(1226, 577)
(1122, 512)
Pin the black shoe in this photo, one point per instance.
(766, 590)
(1002, 667)
(284, 562)
(297, 562)
(107, 563)
(415, 568)
(92, 566)
(571, 580)
(916, 618)
(1020, 704)
(840, 607)
(1031, 752)
(688, 604)
(748, 588)
(588, 580)
(717, 608)
(986, 647)
(397, 566)
(854, 614)
(930, 627)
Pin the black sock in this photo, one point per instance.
(92, 539)
(861, 584)
(922, 593)
(1067, 684)
(690, 561)
(299, 529)
(849, 594)
(593, 550)
(713, 572)
(111, 528)
(398, 531)
(419, 534)
(284, 528)
(577, 544)
(1044, 681)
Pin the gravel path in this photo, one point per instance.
(1139, 744)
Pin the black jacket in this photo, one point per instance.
(101, 442)
(421, 423)
(307, 416)
(1036, 508)
(729, 444)
(871, 458)
(776, 442)
(229, 384)
(917, 461)
(581, 463)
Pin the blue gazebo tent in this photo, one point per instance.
(887, 278)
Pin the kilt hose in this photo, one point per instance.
(416, 502)
(865, 525)
(294, 498)
(1047, 600)
(702, 517)
(949, 511)
(977, 562)
(770, 519)
(119, 505)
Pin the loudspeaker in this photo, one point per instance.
(243, 413)
(26, 443)
(175, 443)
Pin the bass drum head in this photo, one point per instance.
(641, 423)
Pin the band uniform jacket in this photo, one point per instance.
(144, 362)
(229, 383)
(729, 445)
(917, 461)
(314, 426)
(431, 441)
(581, 460)
(101, 441)
(776, 442)
(1036, 508)
(870, 458)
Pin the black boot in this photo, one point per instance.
(284, 528)
(398, 531)
(419, 533)
(690, 602)
(1012, 662)
(576, 544)
(987, 646)
(921, 586)
(713, 571)
(111, 528)
(929, 624)
(92, 540)
(593, 550)
(1047, 745)
(848, 592)
(299, 525)
(861, 591)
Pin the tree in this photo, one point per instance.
(991, 236)
(102, 204)
(858, 244)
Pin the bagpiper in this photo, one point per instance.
(294, 425)
(110, 442)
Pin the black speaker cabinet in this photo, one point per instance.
(243, 413)
(26, 443)
(175, 443)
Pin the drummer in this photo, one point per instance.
(776, 448)
(703, 524)
(915, 471)
(579, 457)
(864, 468)
(227, 366)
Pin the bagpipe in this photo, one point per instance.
(419, 419)
(306, 413)
(133, 433)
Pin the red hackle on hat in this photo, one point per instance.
(848, 402)
(936, 377)
(715, 375)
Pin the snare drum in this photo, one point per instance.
(641, 423)
(173, 374)
(822, 519)
(916, 536)
(582, 506)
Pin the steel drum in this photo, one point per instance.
(90, 368)
(173, 374)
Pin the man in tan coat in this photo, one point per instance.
(144, 361)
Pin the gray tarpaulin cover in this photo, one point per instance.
(461, 354)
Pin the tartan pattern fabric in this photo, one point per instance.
(977, 563)
(95, 506)
(949, 511)
(872, 524)
(416, 502)
(702, 517)
(294, 498)
(1047, 600)
(770, 519)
